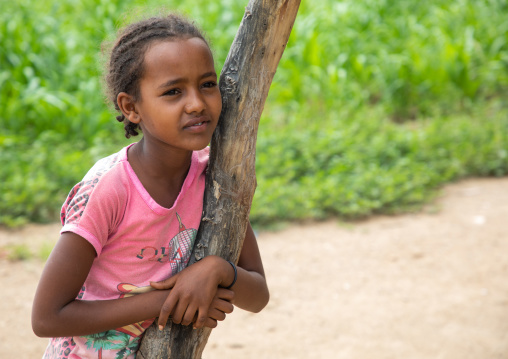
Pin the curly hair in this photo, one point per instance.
(125, 67)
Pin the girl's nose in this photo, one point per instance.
(195, 102)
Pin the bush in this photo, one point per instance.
(368, 164)
(375, 104)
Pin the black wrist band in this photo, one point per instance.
(236, 274)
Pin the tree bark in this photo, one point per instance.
(231, 180)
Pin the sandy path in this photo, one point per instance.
(428, 285)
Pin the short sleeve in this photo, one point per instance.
(95, 206)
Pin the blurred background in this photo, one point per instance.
(375, 104)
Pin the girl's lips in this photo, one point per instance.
(196, 122)
(197, 126)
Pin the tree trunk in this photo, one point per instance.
(231, 179)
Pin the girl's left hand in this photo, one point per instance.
(221, 305)
(192, 291)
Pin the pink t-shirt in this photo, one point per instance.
(136, 240)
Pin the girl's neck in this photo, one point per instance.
(161, 162)
(161, 171)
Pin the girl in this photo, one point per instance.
(129, 226)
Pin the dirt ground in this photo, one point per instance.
(426, 285)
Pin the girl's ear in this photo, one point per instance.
(127, 105)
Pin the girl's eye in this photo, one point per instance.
(172, 92)
(210, 84)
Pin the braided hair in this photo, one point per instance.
(125, 67)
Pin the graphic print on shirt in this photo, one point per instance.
(113, 340)
(178, 251)
(60, 348)
(129, 290)
(124, 340)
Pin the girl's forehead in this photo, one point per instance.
(175, 57)
(178, 46)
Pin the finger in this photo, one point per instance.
(225, 294)
(202, 316)
(216, 314)
(209, 323)
(222, 305)
(166, 310)
(189, 315)
(179, 312)
(166, 283)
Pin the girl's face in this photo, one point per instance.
(180, 101)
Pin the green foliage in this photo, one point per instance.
(375, 104)
(368, 164)
(414, 58)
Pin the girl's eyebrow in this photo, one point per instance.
(181, 79)
(208, 74)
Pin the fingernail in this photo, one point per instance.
(161, 328)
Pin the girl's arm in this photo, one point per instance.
(56, 312)
(251, 290)
(192, 287)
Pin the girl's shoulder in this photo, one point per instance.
(198, 168)
(95, 205)
(103, 182)
(104, 165)
(201, 157)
